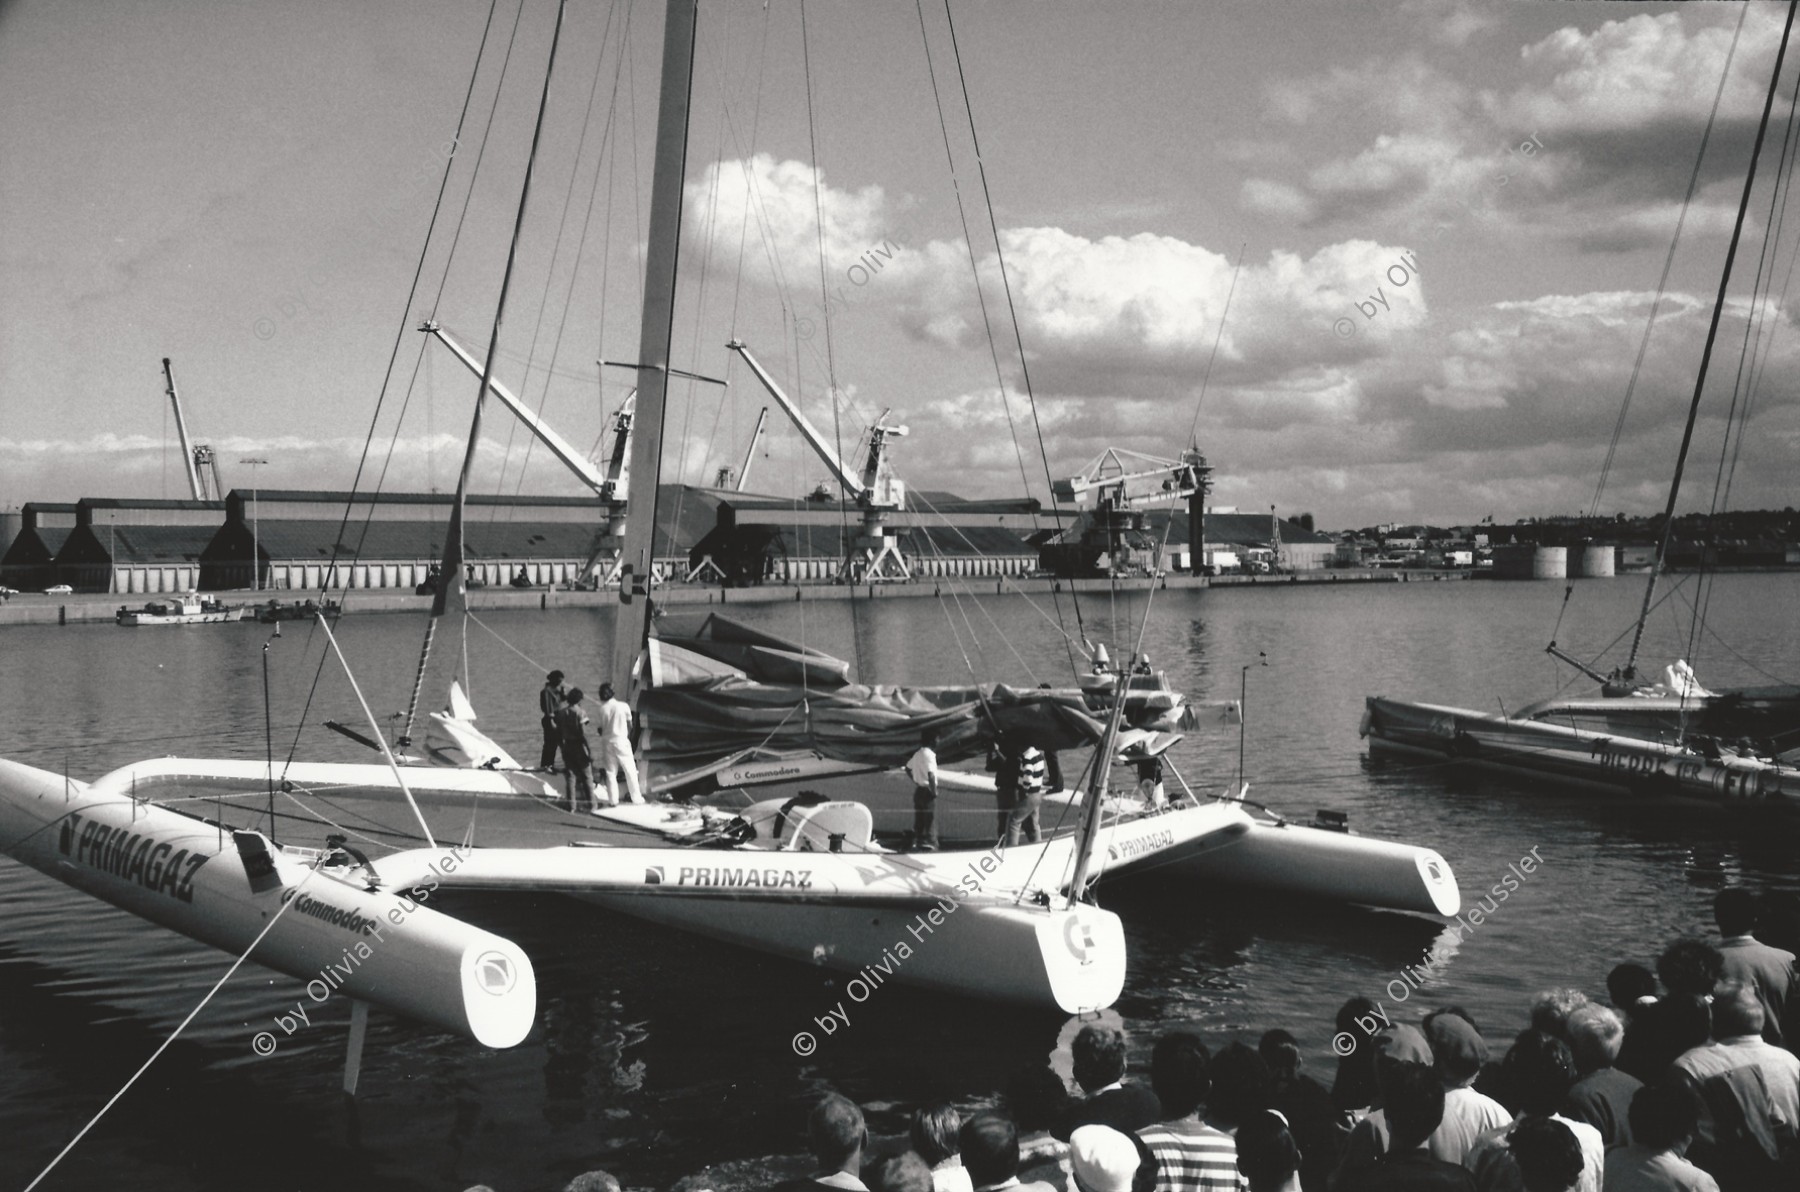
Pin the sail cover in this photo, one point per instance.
(718, 687)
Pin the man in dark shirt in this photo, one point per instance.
(1413, 1098)
(1602, 1097)
(550, 702)
(835, 1132)
(1769, 970)
(1099, 1061)
(989, 1143)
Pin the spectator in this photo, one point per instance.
(1548, 1156)
(1550, 1011)
(905, 1172)
(1689, 970)
(1602, 1096)
(1304, 1105)
(1663, 1120)
(1353, 1086)
(1039, 1105)
(1770, 971)
(1099, 1054)
(1769, 1106)
(1191, 1156)
(1241, 1087)
(1413, 1101)
(1268, 1156)
(592, 1181)
(1458, 1052)
(934, 1138)
(1540, 1070)
(1631, 987)
(990, 1152)
(1102, 1159)
(837, 1138)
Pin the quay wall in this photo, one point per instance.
(36, 609)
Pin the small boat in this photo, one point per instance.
(296, 610)
(188, 609)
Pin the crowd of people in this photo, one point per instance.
(1684, 1079)
(565, 724)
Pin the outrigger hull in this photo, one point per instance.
(191, 876)
(1597, 760)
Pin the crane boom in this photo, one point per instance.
(612, 486)
(187, 446)
(762, 421)
(839, 469)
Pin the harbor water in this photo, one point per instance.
(656, 1055)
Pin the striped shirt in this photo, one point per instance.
(1191, 1157)
(1031, 770)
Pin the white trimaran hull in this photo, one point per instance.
(985, 924)
(182, 873)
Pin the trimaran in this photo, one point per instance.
(798, 879)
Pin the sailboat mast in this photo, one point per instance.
(632, 629)
(1712, 333)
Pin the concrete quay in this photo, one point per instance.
(88, 608)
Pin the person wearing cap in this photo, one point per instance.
(989, 1143)
(1191, 1156)
(838, 1138)
(1458, 1053)
(578, 759)
(550, 702)
(1102, 1159)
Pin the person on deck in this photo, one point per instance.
(550, 702)
(578, 759)
(1003, 760)
(615, 746)
(1022, 820)
(922, 768)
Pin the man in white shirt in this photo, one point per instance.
(615, 746)
(922, 768)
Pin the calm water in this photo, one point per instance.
(655, 1054)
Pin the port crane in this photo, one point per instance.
(736, 481)
(197, 459)
(1122, 483)
(875, 556)
(611, 486)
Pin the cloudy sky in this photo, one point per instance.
(1451, 218)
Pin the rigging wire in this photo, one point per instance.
(1006, 284)
(330, 570)
(986, 320)
(1712, 332)
(1662, 283)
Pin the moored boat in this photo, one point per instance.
(190, 608)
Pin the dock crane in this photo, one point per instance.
(875, 556)
(737, 481)
(612, 486)
(1123, 482)
(196, 458)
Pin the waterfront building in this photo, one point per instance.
(29, 561)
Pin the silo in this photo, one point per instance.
(1595, 562)
(1525, 561)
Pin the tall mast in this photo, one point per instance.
(632, 629)
(1712, 333)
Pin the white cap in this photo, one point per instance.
(1102, 1159)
